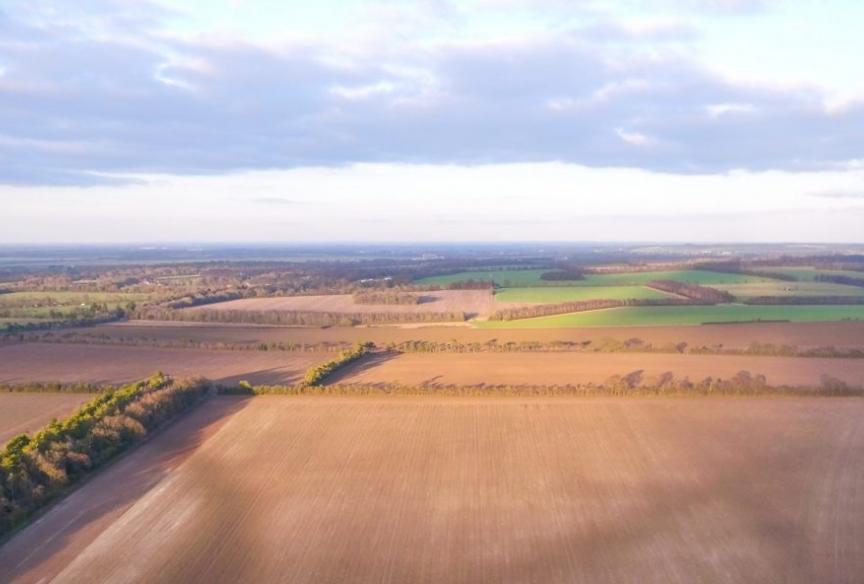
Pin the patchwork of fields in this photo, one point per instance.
(470, 490)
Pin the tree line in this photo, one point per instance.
(386, 297)
(631, 384)
(539, 310)
(570, 273)
(36, 469)
(299, 318)
(847, 280)
(77, 338)
(632, 345)
(799, 300)
(317, 374)
(698, 294)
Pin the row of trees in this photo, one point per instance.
(35, 469)
(51, 387)
(632, 345)
(798, 300)
(847, 280)
(570, 273)
(390, 297)
(80, 338)
(300, 318)
(317, 374)
(634, 383)
(538, 310)
(65, 322)
(698, 294)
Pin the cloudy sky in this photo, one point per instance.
(384, 120)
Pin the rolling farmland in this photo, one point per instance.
(468, 490)
(562, 368)
(115, 365)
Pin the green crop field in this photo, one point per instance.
(803, 288)
(703, 277)
(685, 315)
(809, 274)
(556, 294)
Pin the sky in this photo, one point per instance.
(431, 120)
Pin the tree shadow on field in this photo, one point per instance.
(429, 299)
(365, 363)
(46, 546)
(269, 376)
(613, 550)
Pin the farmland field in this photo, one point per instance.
(790, 289)
(468, 301)
(471, 490)
(809, 274)
(41, 304)
(27, 412)
(517, 278)
(562, 368)
(500, 277)
(685, 315)
(702, 277)
(556, 294)
(814, 334)
(111, 364)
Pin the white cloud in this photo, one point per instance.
(634, 138)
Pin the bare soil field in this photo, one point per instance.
(113, 364)
(471, 490)
(471, 302)
(574, 368)
(803, 335)
(26, 412)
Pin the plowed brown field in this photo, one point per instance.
(838, 334)
(26, 412)
(574, 368)
(113, 364)
(472, 490)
